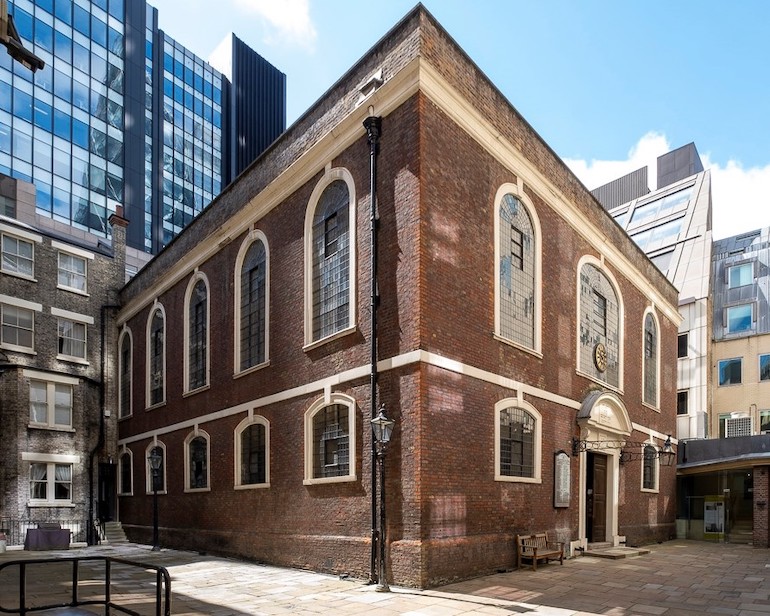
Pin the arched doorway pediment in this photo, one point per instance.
(603, 412)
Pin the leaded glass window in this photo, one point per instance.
(517, 443)
(198, 324)
(331, 261)
(125, 473)
(517, 272)
(648, 467)
(600, 321)
(253, 306)
(331, 441)
(125, 376)
(198, 470)
(253, 455)
(650, 361)
(157, 361)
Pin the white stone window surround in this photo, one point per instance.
(197, 433)
(329, 399)
(250, 420)
(655, 469)
(148, 470)
(517, 190)
(650, 310)
(74, 317)
(126, 334)
(125, 451)
(253, 236)
(330, 175)
(537, 462)
(52, 459)
(156, 307)
(194, 279)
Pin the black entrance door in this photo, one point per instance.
(108, 474)
(596, 497)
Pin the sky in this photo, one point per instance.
(608, 85)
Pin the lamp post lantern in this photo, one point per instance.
(667, 455)
(382, 429)
(155, 459)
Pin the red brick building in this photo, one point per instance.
(514, 316)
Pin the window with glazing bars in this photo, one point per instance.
(198, 453)
(72, 338)
(158, 478)
(253, 455)
(650, 361)
(331, 261)
(648, 467)
(331, 442)
(517, 272)
(600, 314)
(253, 304)
(18, 256)
(197, 342)
(517, 443)
(125, 473)
(125, 376)
(156, 358)
(72, 272)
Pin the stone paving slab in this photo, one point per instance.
(678, 578)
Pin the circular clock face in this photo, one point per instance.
(600, 357)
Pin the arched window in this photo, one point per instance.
(252, 453)
(650, 468)
(330, 440)
(251, 298)
(125, 369)
(197, 333)
(650, 360)
(517, 270)
(156, 357)
(196, 461)
(126, 473)
(156, 480)
(600, 318)
(518, 433)
(330, 257)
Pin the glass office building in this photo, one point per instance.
(123, 115)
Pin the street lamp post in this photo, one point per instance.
(382, 428)
(155, 459)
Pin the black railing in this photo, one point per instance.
(16, 529)
(162, 586)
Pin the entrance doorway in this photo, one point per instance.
(596, 497)
(107, 488)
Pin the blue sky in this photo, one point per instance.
(609, 85)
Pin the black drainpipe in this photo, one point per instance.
(90, 538)
(372, 125)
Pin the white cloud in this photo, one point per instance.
(288, 21)
(739, 195)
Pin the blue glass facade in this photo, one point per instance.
(97, 127)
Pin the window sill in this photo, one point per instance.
(37, 426)
(129, 416)
(18, 349)
(516, 345)
(194, 490)
(58, 504)
(257, 368)
(507, 479)
(650, 490)
(652, 407)
(340, 334)
(157, 405)
(322, 480)
(73, 360)
(252, 486)
(22, 276)
(192, 392)
(73, 290)
(610, 386)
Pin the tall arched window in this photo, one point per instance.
(600, 318)
(252, 303)
(650, 468)
(125, 473)
(125, 369)
(650, 360)
(252, 453)
(330, 257)
(156, 357)
(197, 334)
(517, 299)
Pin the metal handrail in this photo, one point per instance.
(162, 585)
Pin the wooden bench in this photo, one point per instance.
(538, 547)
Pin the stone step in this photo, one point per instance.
(614, 553)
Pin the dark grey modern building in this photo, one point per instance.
(123, 114)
